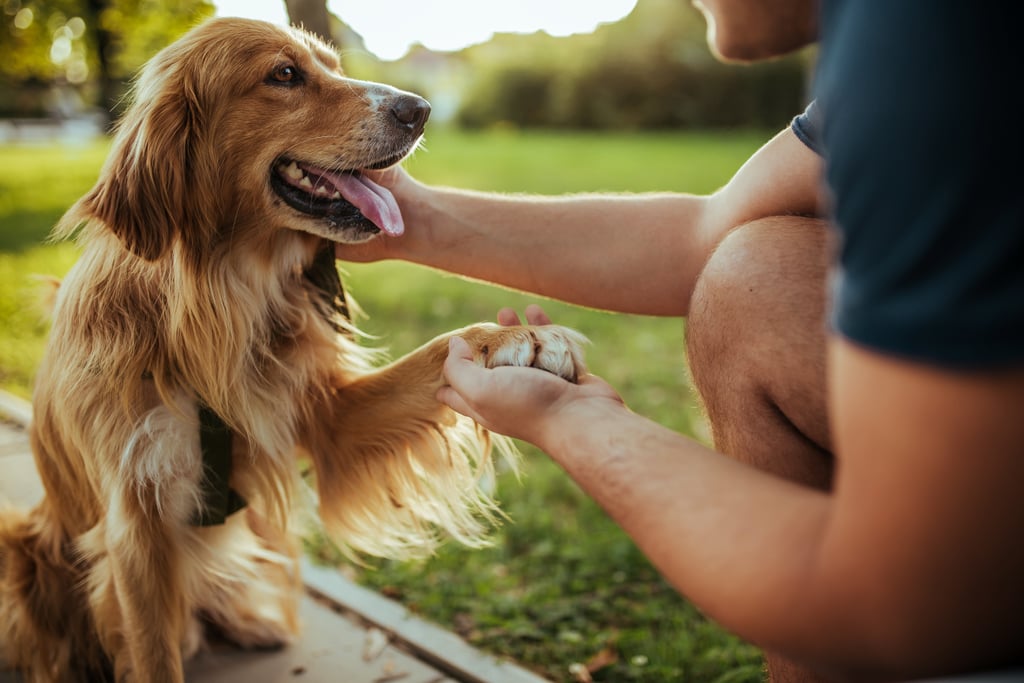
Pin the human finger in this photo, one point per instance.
(459, 376)
(459, 366)
(508, 317)
(535, 315)
(387, 176)
(451, 398)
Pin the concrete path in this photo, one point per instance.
(351, 634)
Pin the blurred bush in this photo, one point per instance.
(650, 70)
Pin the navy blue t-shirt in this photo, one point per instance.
(918, 115)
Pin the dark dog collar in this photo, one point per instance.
(219, 499)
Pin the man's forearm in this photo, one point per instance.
(636, 253)
(628, 253)
(741, 544)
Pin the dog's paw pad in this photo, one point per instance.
(553, 348)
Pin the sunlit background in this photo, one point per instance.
(584, 64)
(389, 28)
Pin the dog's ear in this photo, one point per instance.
(154, 186)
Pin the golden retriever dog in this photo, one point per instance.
(200, 358)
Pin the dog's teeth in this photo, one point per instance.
(321, 190)
(306, 182)
(336, 195)
(293, 171)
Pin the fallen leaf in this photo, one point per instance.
(375, 642)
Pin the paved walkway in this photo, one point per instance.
(351, 634)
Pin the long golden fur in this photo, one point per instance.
(195, 286)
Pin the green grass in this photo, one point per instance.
(37, 184)
(561, 584)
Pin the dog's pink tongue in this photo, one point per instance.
(373, 201)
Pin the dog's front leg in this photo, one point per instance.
(145, 534)
(394, 464)
(402, 395)
(144, 562)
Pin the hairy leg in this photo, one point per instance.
(756, 346)
(143, 539)
(393, 464)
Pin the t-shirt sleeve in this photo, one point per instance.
(920, 106)
(807, 127)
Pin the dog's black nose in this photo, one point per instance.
(411, 112)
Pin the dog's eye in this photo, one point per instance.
(285, 74)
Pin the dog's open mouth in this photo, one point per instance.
(342, 198)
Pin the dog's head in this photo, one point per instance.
(242, 127)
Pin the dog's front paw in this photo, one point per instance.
(553, 348)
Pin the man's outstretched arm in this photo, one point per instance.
(630, 253)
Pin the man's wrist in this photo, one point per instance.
(419, 208)
(569, 429)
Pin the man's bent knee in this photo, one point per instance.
(756, 337)
(764, 279)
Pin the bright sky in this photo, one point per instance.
(389, 27)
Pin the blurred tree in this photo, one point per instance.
(310, 15)
(104, 44)
(50, 49)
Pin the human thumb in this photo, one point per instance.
(459, 347)
(456, 367)
(459, 354)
